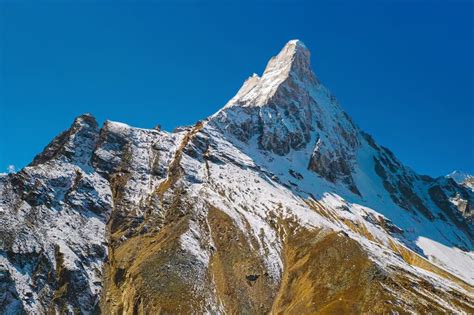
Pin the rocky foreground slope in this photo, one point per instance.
(278, 203)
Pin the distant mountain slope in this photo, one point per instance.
(277, 203)
(462, 178)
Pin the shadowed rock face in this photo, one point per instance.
(460, 191)
(278, 204)
(333, 166)
(288, 109)
(276, 109)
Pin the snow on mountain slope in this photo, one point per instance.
(458, 176)
(53, 227)
(462, 179)
(277, 203)
(334, 148)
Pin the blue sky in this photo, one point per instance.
(403, 70)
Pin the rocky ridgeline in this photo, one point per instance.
(277, 203)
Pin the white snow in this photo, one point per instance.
(450, 258)
(252, 186)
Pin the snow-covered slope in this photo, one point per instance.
(53, 219)
(332, 148)
(277, 203)
(462, 178)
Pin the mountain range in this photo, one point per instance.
(278, 203)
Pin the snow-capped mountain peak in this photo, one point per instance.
(294, 60)
(462, 178)
(289, 109)
(459, 176)
(291, 64)
(275, 204)
(74, 145)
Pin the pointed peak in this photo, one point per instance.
(74, 145)
(297, 52)
(294, 59)
(295, 48)
(291, 64)
(297, 43)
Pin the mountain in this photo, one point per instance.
(278, 203)
(462, 178)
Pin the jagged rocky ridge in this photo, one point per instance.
(277, 203)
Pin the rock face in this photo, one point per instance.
(278, 203)
(53, 218)
(288, 109)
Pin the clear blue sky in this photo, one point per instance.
(402, 69)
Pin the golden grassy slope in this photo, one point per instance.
(324, 272)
